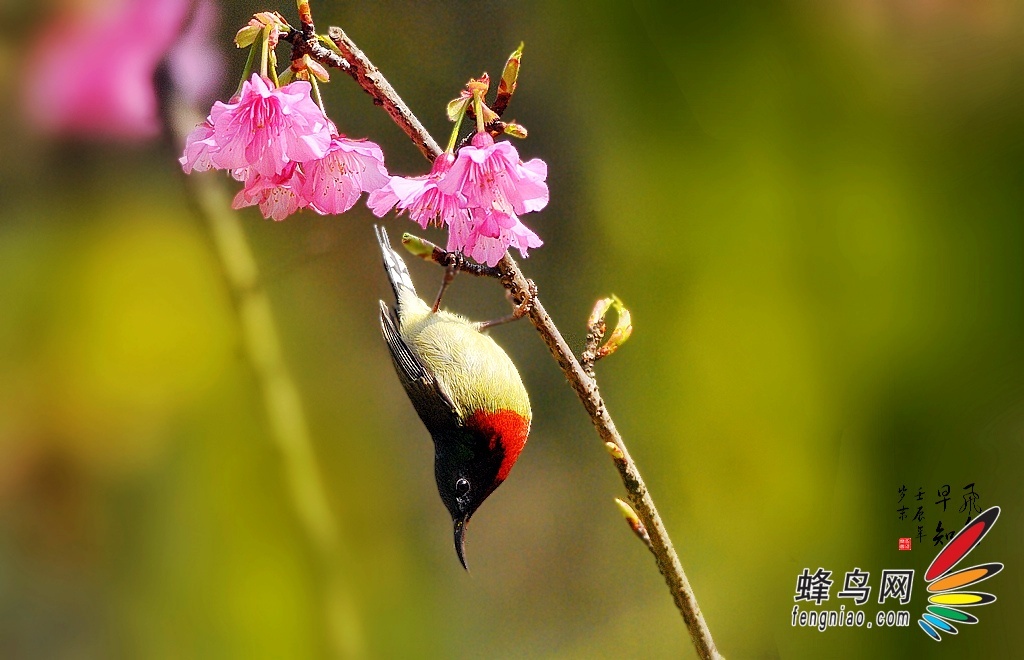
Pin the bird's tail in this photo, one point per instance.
(394, 266)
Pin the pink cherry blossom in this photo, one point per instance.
(279, 143)
(350, 167)
(400, 190)
(496, 187)
(485, 235)
(420, 196)
(278, 195)
(484, 232)
(198, 146)
(491, 176)
(267, 129)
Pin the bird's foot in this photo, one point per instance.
(453, 263)
(523, 301)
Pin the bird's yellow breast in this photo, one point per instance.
(474, 371)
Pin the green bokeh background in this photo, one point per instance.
(814, 212)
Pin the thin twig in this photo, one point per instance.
(449, 277)
(595, 333)
(428, 251)
(587, 391)
(371, 80)
(306, 42)
(303, 45)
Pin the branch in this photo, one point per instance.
(373, 81)
(587, 391)
(427, 251)
(585, 386)
(307, 43)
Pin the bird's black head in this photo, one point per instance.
(466, 467)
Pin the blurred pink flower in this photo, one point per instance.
(277, 195)
(350, 168)
(196, 63)
(267, 129)
(93, 66)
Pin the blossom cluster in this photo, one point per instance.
(272, 135)
(288, 154)
(277, 140)
(478, 194)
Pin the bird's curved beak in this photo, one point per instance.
(460, 540)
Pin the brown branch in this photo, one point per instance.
(585, 386)
(373, 81)
(595, 333)
(305, 42)
(587, 391)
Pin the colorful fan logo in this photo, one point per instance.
(947, 588)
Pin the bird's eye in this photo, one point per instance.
(461, 487)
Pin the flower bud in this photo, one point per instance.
(316, 68)
(623, 329)
(509, 77)
(601, 308)
(634, 522)
(515, 130)
(417, 246)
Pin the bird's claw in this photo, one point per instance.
(523, 301)
(453, 262)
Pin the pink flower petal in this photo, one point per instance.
(278, 196)
(350, 168)
(266, 129)
(418, 195)
(198, 146)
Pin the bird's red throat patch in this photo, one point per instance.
(505, 427)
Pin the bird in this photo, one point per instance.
(465, 389)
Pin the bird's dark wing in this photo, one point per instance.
(431, 402)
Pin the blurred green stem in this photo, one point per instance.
(288, 427)
(585, 386)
